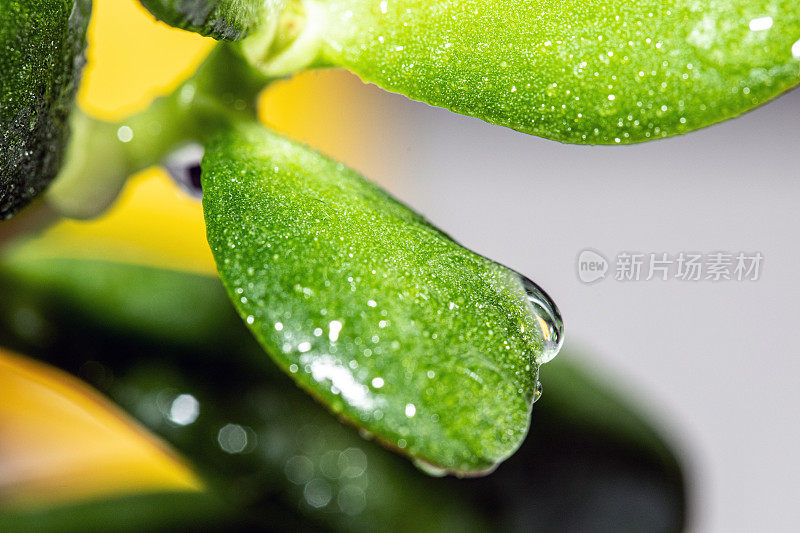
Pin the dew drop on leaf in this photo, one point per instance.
(430, 469)
(538, 392)
(548, 318)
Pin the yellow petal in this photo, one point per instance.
(61, 441)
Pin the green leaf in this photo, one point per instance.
(120, 302)
(379, 315)
(153, 512)
(227, 20)
(42, 44)
(577, 71)
(590, 455)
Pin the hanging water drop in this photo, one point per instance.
(537, 393)
(548, 318)
(429, 468)
(183, 166)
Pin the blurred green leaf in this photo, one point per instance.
(227, 20)
(591, 464)
(169, 511)
(577, 71)
(120, 303)
(382, 317)
(42, 44)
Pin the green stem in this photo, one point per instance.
(102, 154)
(289, 41)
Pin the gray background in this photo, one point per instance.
(716, 365)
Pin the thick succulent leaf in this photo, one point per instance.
(589, 456)
(227, 20)
(385, 319)
(578, 71)
(41, 44)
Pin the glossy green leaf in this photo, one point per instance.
(381, 316)
(591, 457)
(227, 20)
(577, 71)
(41, 56)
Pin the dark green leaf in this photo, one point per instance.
(153, 512)
(227, 20)
(121, 304)
(578, 71)
(382, 317)
(41, 56)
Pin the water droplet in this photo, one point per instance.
(537, 393)
(796, 49)
(183, 166)
(760, 24)
(548, 319)
(430, 469)
(334, 328)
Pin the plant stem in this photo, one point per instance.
(292, 41)
(101, 155)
